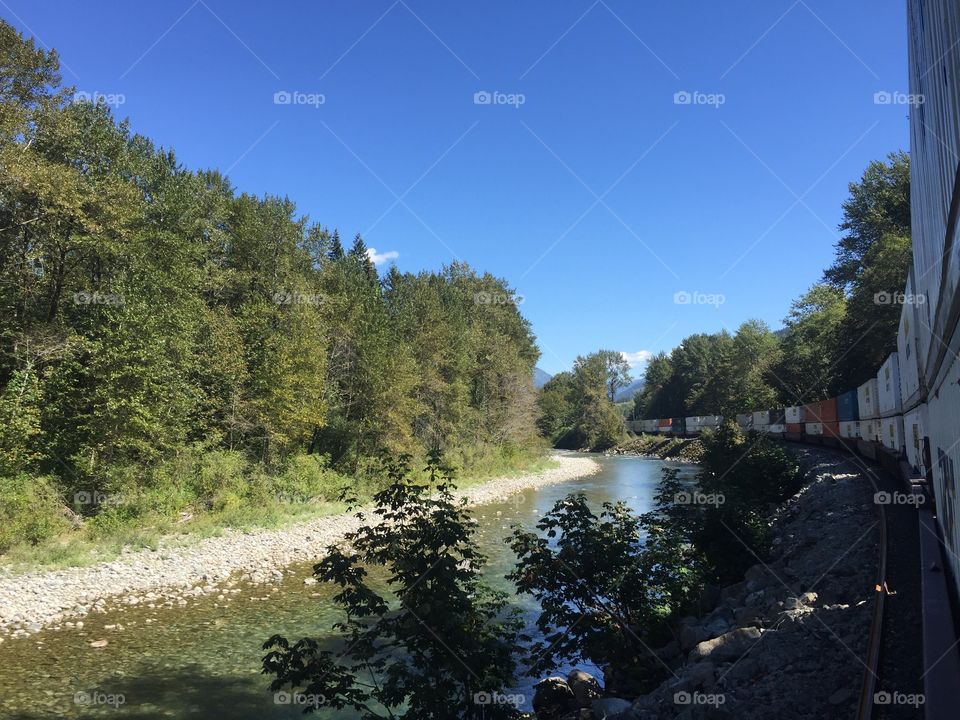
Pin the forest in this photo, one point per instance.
(170, 346)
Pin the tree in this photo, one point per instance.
(436, 642)
(879, 205)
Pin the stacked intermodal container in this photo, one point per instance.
(678, 426)
(908, 342)
(650, 426)
(867, 400)
(745, 421)
(891, 432)
(870, 430)
(813, 428)
(760, 418)
(710, 421)
(888, 382)
(850, 429)
(693, 425)
(915, 427)
(795, 414)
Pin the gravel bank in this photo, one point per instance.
(170, 575)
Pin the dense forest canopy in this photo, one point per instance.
(150, 310)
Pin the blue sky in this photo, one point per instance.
(585, 181)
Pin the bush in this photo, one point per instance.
(435, 641)
(30, 510)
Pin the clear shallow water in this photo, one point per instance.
(203, 660)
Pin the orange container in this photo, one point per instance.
(794, 427)
(831, 429)
(828, 412)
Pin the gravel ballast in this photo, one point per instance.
(169, 575)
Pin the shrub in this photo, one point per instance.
(439, 638)
(30, 510)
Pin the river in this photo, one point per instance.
(203, 660)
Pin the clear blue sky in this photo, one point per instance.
(740, 198)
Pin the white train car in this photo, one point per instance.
(891, 433)
(915, 426)
(934, 35)
(867, 398)
(888, 382)
(908, 342)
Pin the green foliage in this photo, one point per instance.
(606, 583)
(149, 313)
(713, 374)
(577, 409)
(425, 646)
(30, 510)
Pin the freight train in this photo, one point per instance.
(912, 406)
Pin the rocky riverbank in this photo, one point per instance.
(170, 576)
(785, 642)
(661, 447)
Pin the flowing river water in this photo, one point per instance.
(203, 660)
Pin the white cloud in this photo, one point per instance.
(637, 359)
(379, 258)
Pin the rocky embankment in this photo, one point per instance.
(787, 641)
(661, 447)
(170, 576)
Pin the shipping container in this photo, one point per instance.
(650, 426)
(848, 406)
(745, 421)
(765, 428)
(710, 421)
(777, 416)
(850, 429)
(915, 424)
(693, 425)
(943, 429)
(813, 428)
(761, 417)
(870, 430)
(934, 148)
(911, 389)
(888, 383)
(778, 428)
(867, 397)
(678, 426)
(795, 428)
(891, 432)
(664, 424)
(795, 414)
(831, 429)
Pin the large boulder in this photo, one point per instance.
(552, 699)
(728, 647)
(584, 687)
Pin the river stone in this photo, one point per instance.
(552, 699)
(584, 687)
(609, 708)
(99, 644)
(728, 647)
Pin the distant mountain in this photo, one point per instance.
(626, 393)
(540, 377)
